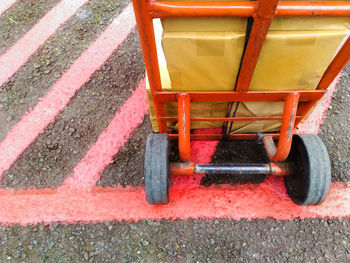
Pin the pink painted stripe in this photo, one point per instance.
(130, 115)
(34, 122)
(6, 4)
(71, 205)
(19, 53)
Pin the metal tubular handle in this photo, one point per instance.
(183, 104)
(286, 134)
(149, 50)
(262, 20)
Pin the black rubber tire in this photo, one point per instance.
(156, 169)
(311, 180)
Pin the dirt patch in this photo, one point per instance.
(218, 240)
(42, 70)
(21, 17)
(54, 153)
(335, 130)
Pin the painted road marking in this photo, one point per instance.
(35, 121)
(6, 4)
(71, 205)
(79, 200)
(20, 52)
(130, 115)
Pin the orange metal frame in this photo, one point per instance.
(297, 103)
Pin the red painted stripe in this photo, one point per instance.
(129, 116)
(73, 205)
(19, 53)
(6, 4)
(34, 122)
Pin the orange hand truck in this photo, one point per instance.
(303, 160)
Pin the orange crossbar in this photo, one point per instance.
(226, 96)
(253, 118)
(162, 9)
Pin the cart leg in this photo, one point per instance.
(286, 134)
(183, 102)
(148, 44)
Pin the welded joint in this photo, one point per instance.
(265, 15)
(281, 169)
(182, 168)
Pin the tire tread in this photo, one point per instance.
(319, 170)
(156, 169)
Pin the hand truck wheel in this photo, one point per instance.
(156, 169)
(310, 182)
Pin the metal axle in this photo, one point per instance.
(189, 168)
(232, 169)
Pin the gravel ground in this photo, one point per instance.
(21, 17)
(54, 153)
(217, 240)
(335, 130)
(125, 168)
(48, 161)
(42, 70)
